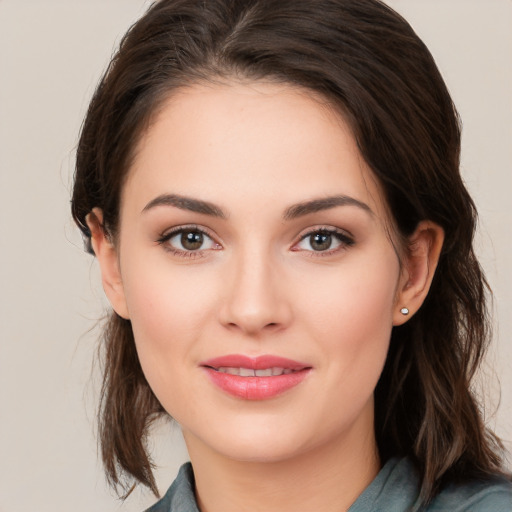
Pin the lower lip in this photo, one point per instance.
(256, 388)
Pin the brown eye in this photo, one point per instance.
(320, 241)
(324, 240)
(188, 241)
(191, 240)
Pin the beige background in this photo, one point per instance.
(51, 55)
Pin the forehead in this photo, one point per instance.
(238, 143)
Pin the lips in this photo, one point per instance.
(249, 372)
(259, 378)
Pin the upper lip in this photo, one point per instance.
(255, 363)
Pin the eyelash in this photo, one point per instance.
(192, 254)
(345, 240)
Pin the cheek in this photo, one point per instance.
(168, 311)
(354, 298)
(354, 330)
(160, 292)
(350, 314)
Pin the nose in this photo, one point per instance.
(255, 300)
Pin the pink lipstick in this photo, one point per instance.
(258, 378)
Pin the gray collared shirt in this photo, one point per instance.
(395, 489)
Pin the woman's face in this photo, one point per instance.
(257, 271)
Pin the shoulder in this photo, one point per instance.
(397, 488)
(180, 496)
(479, 496)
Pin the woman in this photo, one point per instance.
(272, 191)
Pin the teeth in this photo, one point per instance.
(249, 372)
(264, 373)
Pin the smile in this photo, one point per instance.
(259, 378)
(249, 372)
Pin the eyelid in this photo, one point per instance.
(345, 238)
(324, 228)
(169, 233)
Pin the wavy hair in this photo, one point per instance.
(364, 58)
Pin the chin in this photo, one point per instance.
(259, 442)
(260, 452)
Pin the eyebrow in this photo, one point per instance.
(317, 205)
(292, 212)
(186, 203)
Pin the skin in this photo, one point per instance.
(257, 286)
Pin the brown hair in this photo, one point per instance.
(365, 58)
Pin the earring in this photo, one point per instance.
(404, 311)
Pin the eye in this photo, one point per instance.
(324, 240)
(185, 241)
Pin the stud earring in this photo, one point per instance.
(404, 311)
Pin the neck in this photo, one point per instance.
(329, 477)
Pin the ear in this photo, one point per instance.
(418, 270)
(108, 260)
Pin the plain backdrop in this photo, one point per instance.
(51, 55)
